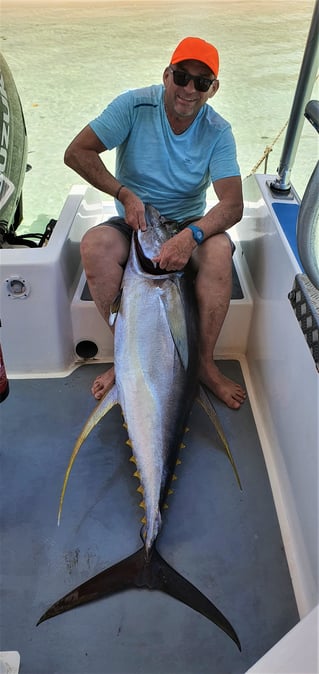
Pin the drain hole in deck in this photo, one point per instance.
(86, 349)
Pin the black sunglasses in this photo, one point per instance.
(182, 78)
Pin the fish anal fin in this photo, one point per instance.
(207, 405)
(106, 403)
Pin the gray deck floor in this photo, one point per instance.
(224, 541)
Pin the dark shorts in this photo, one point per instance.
(119, 223)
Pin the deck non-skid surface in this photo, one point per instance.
(225, 541)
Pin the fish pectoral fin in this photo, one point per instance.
(106, 403)
(142, 571)
(115, 307)
(206, 403)
(173, 306)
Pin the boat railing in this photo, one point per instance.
(308, 72)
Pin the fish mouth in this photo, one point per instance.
(146, 263)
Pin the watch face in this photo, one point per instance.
(198, 234)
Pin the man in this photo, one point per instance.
(170, 144)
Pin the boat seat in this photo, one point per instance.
(237, 293)
(92, 340)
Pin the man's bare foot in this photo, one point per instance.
(228, 391)
(103, 383)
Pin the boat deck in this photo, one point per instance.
(225, 541)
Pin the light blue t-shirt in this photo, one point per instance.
(172, 172)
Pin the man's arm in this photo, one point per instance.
(83, 156)
(227, 211)
(176, 252)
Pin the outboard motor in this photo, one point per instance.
(13, 153)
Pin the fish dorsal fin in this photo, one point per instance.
(106, 403)
(206, 403)
(173, 305)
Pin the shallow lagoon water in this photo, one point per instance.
(69, 59)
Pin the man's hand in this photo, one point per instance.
(176, 252)
(134, 209)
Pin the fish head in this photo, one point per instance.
(150, 241)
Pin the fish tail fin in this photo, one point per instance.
(166, 579)
(142, 570)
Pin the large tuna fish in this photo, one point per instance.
(156, 366)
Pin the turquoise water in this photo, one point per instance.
(69, 59)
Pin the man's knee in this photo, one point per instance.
(89, 244)
(221, 245)
(104, 242)
(217, 250)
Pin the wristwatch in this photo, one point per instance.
(198, 234)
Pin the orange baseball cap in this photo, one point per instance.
(194, 48)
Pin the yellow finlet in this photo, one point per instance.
(170, 492)
(142, 505)
(143, 520)
(129, 443)
(137, 474)
(133, 459)
(174, 477)
(182, 446)
(140, 489)
(178, 462)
